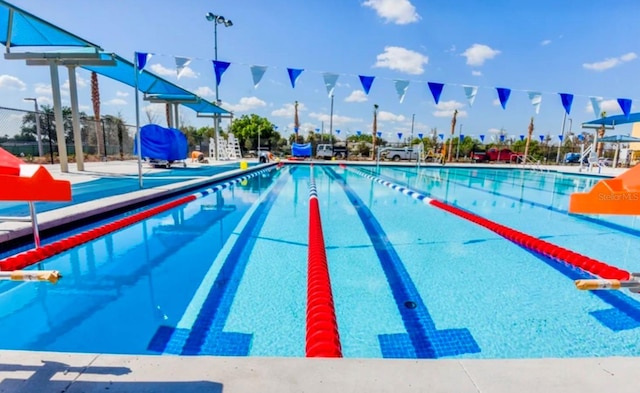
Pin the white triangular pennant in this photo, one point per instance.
(330, 81)
(257, 72)
(181, 64)
(470, 92)
(536, 99)
(596, 106)
(401, 88)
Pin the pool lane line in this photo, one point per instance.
(322, 337)
(200, 331)
(529, 242)
(593, 220)
(422, 339)
(33, 256)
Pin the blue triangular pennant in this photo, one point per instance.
(541, 138)
(503, 96)
(366, 82)
(294, 74)
(141, 59)
(481, 138)
(420, 135)
(567, 100)
(521, 137)
(379, 134)
(399, 135)
(219, 67)
(625, 105)
(436, 90)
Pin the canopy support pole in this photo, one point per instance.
(77, 137)
(57, 109)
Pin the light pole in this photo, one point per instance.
(217, 19)
(459, 140)
(37, 115)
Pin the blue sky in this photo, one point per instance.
(585, 48)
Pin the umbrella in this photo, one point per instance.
(618, 139)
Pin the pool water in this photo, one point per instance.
(226, 274)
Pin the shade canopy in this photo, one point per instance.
(619, 139)
(617, 120)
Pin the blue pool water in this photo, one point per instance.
(226, 274)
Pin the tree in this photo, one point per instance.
(248, 127)
(28, 130)
(95, 101)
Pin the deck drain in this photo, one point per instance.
(410, 304)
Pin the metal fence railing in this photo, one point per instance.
(106, 139)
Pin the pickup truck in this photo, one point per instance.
(328, 151)
(400, 153)
(494, 154)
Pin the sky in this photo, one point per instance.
(584, 48)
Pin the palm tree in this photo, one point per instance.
(601, 132)
(95, 100)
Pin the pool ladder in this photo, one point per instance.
(33, 219)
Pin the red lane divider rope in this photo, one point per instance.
(322, 339)
(540, 246)
(31, 257)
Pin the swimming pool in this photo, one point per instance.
(226, 274)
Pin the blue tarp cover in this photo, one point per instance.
(301, 150)
(160, 143)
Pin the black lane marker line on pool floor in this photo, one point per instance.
(625, 313)
(597, 221)
(422, 340)
(206, 337)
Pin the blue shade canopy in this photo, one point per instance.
(619, 139)
(617, 120)
(21, 28)
(151, 84)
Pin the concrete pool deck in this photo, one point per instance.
(23, 372)
(26, 371)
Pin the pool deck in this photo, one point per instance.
(75, 373)
(64, 372)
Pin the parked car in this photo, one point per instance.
(494, 154)
(328, 151)
(400, 153)
(603, 161)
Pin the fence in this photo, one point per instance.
(108, 138)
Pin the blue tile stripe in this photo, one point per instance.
(621, 302)
(422, 340)
(206, 336)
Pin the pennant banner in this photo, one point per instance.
(595, 105)
(257, 72)
(441, 136)
(219, 67)
(536, 99)
(294, 74)
(181, 64)
(142, 59)
(625, 105)
(567, 100)
(401, 88)
(330, 81)
(399, 135)
(470, 92)
(541, 138)
(461, 138)
(379, 134)
(366, 82)
(503, 95)
(521, 137)
(358, 132)
(481, 138)
(436, 90)
(561, 137)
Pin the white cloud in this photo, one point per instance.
(545, 42)
(122, 94)
(84, 108)
(43, 89)
(337, 119)
(11, 82)
(186, 73)
(494, 131)
(116, 101)
(288, 110)
(446, 108)
(400, 12)
(80, 83)
(162, 70)
(477, 54)
(388, 116)
(401, 59)
(356, 96)
(476, 73)
(205, 91)
(609, 106)
(451, 49)
(245, 104)
(610, 62)
(44, 100)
